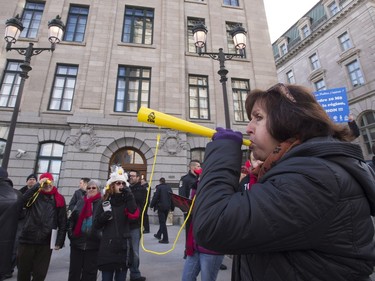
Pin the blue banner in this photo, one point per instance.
(335, 103)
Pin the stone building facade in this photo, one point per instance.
(78, 114)
(332, 46)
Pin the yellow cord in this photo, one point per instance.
(145, 207)
(33, 198)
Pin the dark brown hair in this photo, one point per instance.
(293, 112)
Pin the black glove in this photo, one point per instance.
(107, 215)
(126, 190)
(227, 134)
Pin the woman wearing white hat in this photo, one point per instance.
(113, 217)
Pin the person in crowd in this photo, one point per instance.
(30, 182)
(186, 183)
(189, 180)
(84, 238)
(353, 127)
(10, 204)
(140, 194)
(247, 177)
(113, 219)
(309, 215)
(162, 202)
(199, 259)
(146, 221)
(78, 194)
(46, 213)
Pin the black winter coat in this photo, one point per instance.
(140, 194)
(307, 218)
(41, 217)
(87, 240)
(10, 205)
(115, 246)
(162, 199)
(187, 182)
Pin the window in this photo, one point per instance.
(367, 128)
(355, 73)
(290, 77)
(198, 97)
(240, 89)
(191, 22)
(10, 84)
(63, 88)
(76, 24)
(31, 17)
(138, 25)
(231, 48)
(231, 3)
(314, 60)
(2, 149)
(345, 41)
(305, 31)
(133, 88)
(50, 159)
(320, 85)
(197, 154)
(129, 158)
(333, 8)
(283, 49)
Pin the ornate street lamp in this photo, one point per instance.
(13, 30)
(239, 39)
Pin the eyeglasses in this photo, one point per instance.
(283, 90)
(119, 183)
(91, 187)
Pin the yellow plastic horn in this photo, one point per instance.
(153, 117)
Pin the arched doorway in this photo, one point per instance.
(129, 158)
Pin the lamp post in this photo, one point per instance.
(239, 39)
(13, 30)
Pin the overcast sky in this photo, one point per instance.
(282, 14)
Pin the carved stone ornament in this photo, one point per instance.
(172, 143)
(85, 139)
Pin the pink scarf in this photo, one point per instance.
(85, 213)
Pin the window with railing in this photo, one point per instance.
(76, 24)
(240, 89)
(63, 87)
(31, 17)
(133, 88)
(198, 97)
(314, 61)
(345, 41)
(138, 25)
(49, 159)
(355, 73)
(10, 83)
(290, 77)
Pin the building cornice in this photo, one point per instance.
(317, 33)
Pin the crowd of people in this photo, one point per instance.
(300, 208)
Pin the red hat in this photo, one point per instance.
(46, 175)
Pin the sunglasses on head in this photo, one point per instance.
(119, 183)
(91, 187)
(283, 90)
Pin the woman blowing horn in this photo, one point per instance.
(309, 215)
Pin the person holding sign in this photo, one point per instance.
(46, 211)
(308, 217)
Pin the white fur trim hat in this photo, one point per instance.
(118, 175)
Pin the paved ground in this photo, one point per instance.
(153, 267)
